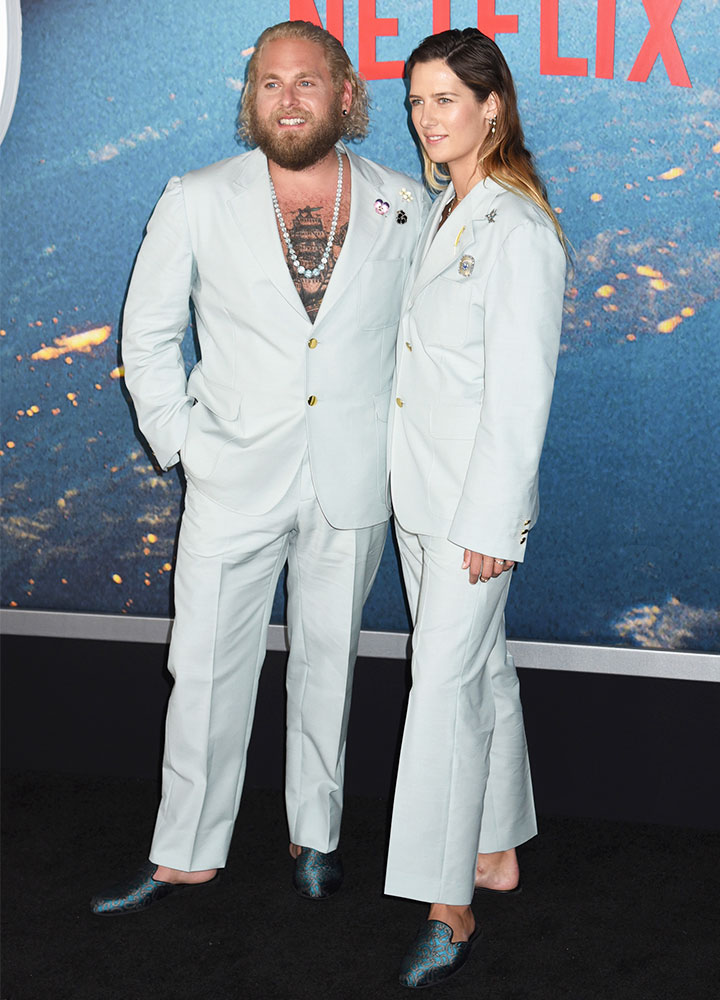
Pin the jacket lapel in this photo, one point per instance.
(442, 247)
(252, 210)
(426, 238)
(364, 228)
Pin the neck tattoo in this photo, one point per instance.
(310, 272)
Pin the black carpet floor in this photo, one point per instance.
(609, 910)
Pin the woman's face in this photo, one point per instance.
(450, 121)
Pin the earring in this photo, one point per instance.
(493, 123)
(344, 111)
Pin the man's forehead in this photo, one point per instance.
(296, 56)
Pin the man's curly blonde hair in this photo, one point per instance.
(357, 121)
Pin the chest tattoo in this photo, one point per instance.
(309, 237)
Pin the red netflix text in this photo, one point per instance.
(659, 41)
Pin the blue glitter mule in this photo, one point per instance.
(432, 957)
(139, 892)
(317, 875)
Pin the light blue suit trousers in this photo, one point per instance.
(463, 783)
(227, 569)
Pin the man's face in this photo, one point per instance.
(296, 117)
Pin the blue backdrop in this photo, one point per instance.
(115, 98)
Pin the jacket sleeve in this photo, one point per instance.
(522, 321)
(155, 319)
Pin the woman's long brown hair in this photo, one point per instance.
(477, 61)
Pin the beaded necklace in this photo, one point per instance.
(310, 272)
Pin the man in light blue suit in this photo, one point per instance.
(294, 256)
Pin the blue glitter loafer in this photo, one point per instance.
(317, 875)
(139, 892)
(433, 957)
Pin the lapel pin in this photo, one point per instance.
(466, 265)
(405, 194)
(381, 207)
(491, 215)
(457, 238)
(401, 218)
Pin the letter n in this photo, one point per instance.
(305, 10)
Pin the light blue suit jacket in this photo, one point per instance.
(476, 360)
(241, 421)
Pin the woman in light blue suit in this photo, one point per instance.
(476, 362)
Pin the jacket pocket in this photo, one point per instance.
(381, 284)
(444, 309)
(382, 405)
(222, 400)
(207, 436)
(453, 422)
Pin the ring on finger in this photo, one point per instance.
(499, 561)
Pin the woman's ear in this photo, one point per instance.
(491, 106)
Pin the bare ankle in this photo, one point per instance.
(176, 876)
(498, 870)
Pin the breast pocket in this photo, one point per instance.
(381, 293)
(444, 307)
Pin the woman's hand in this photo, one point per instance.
(484, 567)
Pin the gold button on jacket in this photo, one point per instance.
(312, 400)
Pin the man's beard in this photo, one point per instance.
(297, 151)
